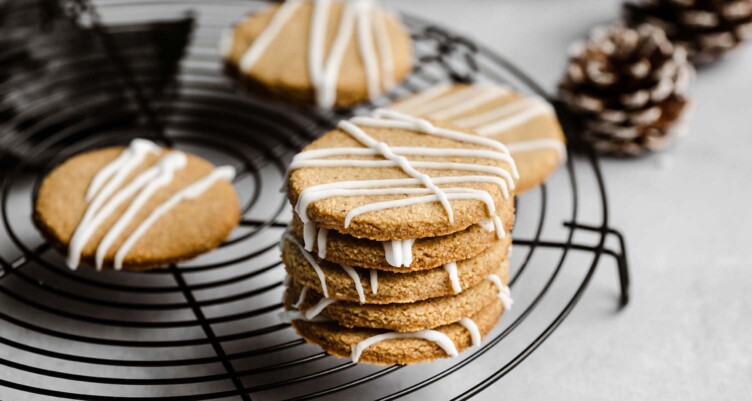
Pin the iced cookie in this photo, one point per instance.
(137, 207)
(527, 125)
(355, 284)
(328, 53)
(401, 317)
(389, 176)
(383, 347)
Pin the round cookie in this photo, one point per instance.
(179, 205)
(527, 125)
(394, 287)
(400, 317)
(460, 159)
(340, 341)
(427, 252)
(351, 52)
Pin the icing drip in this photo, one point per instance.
(301, 298)
(374, 281)
(321, 242)
(487, 224)
(356, 280)
(358, 16)
(505, 293)
(395, 157)
(290, 315)
(311, 261)
(454, 279)
(399, 253)
(473, 329)
(441, 339)
(315, 310)
(192, 191)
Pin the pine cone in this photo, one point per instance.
(628, 88)
(708, 28)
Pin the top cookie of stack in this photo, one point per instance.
(422, 209)
(328, 53)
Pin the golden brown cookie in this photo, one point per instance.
(329, 53)
(400, 317)
(470, 169)
(427, 252)
(142, 205)
(527, 125)
(341, 341)
(392, 287)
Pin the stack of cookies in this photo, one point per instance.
(398, 248)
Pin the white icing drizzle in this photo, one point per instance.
(190, 192)
(487, 224)
(315, 310)
(311, 261)
(441, 339)
(106, 193)
(374, 281)
(454, 279)
(399, 253)
(356, 280)
(473, 329)
(301, 297)
(321, 242)
(394, 157)
(505, 293)
(436, 103)
(358, 16)
(267, 36)
(290, 315)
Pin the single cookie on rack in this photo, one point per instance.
(137, 207)
(527, 125)
(400, 317)
(383, 347)
(329, 53)
(392, 177)
(356, 284)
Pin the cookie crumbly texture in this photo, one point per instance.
(338, 340)
(408, 222)
(191, 228)
(393, 287)
(404, 317)
(534, 166)
(282, 71)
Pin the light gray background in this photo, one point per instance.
(686, 214)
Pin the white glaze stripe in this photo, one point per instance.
(505, 293)
(192, 191)
(290, 315)
(408, 106)
(267, 36)
(319, 21)
(356, 280)
(441, 339)
(384, 47)
(458, 97)
(489, 95)
(365, 44)
(473, 329)
(504, 111)
(507, 123)
(321, 242)
(538, 144)
(399, 253)
(311, 261)
(166, 168)
(374, 281)
(454, 280)
(315, 310)
(301, 297)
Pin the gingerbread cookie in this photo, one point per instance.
(356, 284)
(401, 317)
(382, 347)
(136, 208)
(390, 176)
(527, 125)
(328, 53)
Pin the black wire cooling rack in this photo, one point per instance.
(209, 329)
